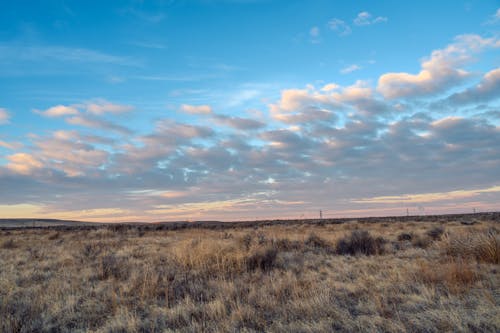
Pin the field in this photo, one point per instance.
(432, 274)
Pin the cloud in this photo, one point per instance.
(23, 163)
(103, 107)
(365, 18)
(494, 19)
(11, 145)
(344, 147)
(339, 26)
(350, 69)
(30, 53)
(196, 109)
(239, 123)
(4, 116)
(488, 89)
(429, 197)
(92, 122)
(314, 32)
(439, 72)
(58, 111)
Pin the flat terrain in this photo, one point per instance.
(411, 274)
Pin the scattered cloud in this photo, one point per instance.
(97, 123)
(314, 34)
(365, 18)
(239, 123)
(4, 116)
(30, 53)
(340, 27)
(58, 111)
(439, 72)
(196, 109)
(102, 107)
(429, 197)
(488, 89)
(342, 146)
(350, 69)
(23, 163)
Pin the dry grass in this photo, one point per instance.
(379, 277)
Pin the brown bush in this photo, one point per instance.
(360, 242)
(484, 247)
(405, 236)
(112, 266)
(456, 276)
(9, 244)
(435, 233)
(264, 259)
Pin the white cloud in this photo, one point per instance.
(350, 69)
(486, 90)
(365, 18)
(58, 111)
(102, 107)
(92, 122)
(339, 26)
(196, 109)
(314, 32)
(439, 72)
(4, 116)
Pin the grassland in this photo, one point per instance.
(383, 275)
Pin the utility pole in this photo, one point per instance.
(320, 214)
(407, 212)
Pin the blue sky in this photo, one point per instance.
(242, 109)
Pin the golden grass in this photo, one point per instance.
(378, 277)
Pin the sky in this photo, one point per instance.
(168, 110)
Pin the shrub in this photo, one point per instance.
(456, 276)
(264, 259)
(247, 241)
(113, 266)
(404, 236)
(360, 242)
(9, 244)
(285, 244)
(483, 247)
(421, 241)
(317, 243)
(435, 233)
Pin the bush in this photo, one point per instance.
(9, 244)
(404, 236)
(436, 233)
(317, 243)
(457, 276)
(264, 259)
(483, 247)
(360, 242)
(113, 266)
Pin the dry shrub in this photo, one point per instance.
(54, 236)
(421, 241)
(285, 244)
(210, 258)
(405, 236)
(360, 242)
(456, 276)
(113, 266)
(484, 247)
(264, 259)
(9, 244)
(435, 233)
(316, 243)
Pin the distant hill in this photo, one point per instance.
(17, 223)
